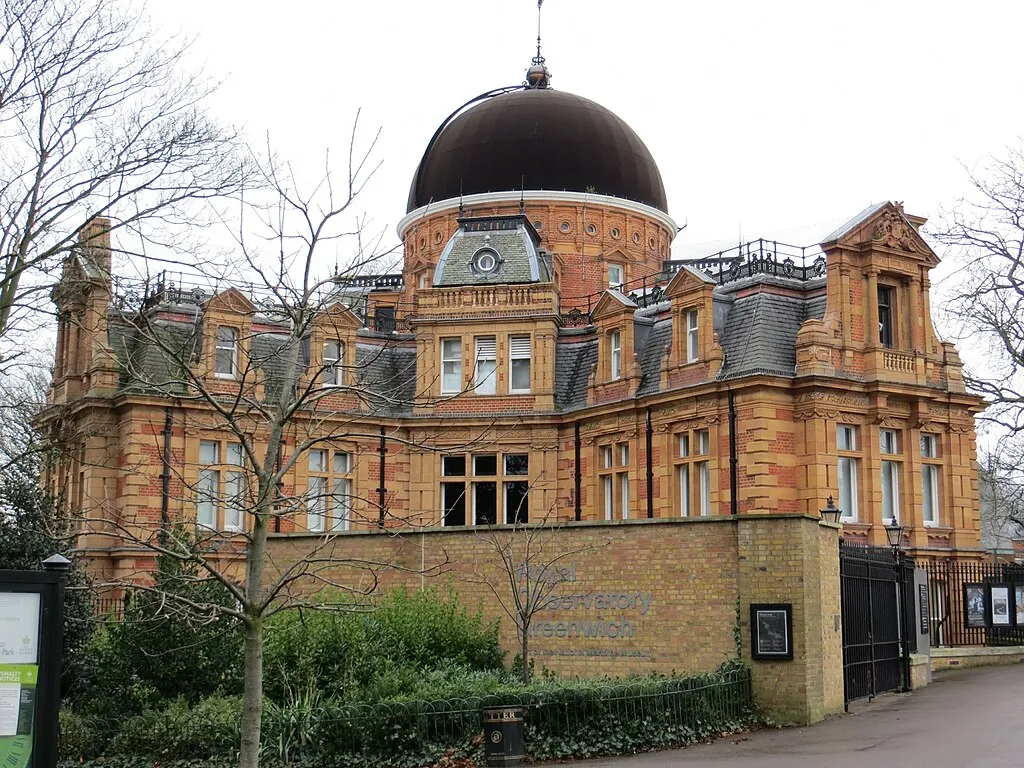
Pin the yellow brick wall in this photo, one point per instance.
(655, 595)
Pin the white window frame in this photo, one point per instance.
(485, 382)
(451, 365)
(889, 445)
(613, 283)
(848, 471)
(609, 496)
(519, 350)
(692, 336)
(226, 345)
(208, 487)
(930, 479)
(333, 374)
(341, 491)
(615, 356)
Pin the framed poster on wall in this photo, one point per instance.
(771, 631)
(1018, 602)
(1000, 605)
(975, 615)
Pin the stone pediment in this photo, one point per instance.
(884, 225)
(232, 301)
(612, 303)
(686, 281)
(337, 317)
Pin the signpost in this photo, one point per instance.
(31, 647)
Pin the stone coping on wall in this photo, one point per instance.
(960, 657)
(557, 524)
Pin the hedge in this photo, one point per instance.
(563, 720)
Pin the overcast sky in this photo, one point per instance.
(777, 118)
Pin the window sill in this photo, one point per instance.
(229, 376)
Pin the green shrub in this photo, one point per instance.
(380, 654)
(182, 730)
(78, 737)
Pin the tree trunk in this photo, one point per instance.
(524, 653)
(252, 700)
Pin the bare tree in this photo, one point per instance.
(263, 369)
(97, 118)
(1002, 502)
(530, 567)
(985, 233)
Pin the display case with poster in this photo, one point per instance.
(975, 615)
(1000, 605)
(771, 631)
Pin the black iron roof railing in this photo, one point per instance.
(757, 257)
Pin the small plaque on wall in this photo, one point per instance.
(771, 631)
(923, 608)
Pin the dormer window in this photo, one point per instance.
(885, 316)
(616, 276)
(692, 338)
(615, 356)
(333, 353)
(226, 352)
(485, 262)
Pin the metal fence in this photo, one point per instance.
(946, 580)
(557, 723)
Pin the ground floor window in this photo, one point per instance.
(485, 489)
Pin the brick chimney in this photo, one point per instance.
(94, 241)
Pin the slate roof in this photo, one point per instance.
(573, 364)
(388, 373)
(659, 337)
(760, 334)
(519, 260)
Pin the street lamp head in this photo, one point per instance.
(831, 513)
(894, 533)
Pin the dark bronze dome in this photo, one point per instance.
(537, 138)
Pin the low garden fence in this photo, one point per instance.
(561, 720)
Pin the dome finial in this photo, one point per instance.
(538, 76)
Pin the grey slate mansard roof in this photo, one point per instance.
(757, 332)
(151, 358)
(516, 246)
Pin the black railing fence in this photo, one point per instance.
(946, 580)
(574, 720)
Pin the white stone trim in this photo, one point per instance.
(538, 196)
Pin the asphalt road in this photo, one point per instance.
(971, 718)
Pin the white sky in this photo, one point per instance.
(763, 116)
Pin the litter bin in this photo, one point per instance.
(503, 736)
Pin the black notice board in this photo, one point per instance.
(771, 631)
(924, 608)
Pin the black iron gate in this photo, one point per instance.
(875, 586)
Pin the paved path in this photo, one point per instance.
(971, 718)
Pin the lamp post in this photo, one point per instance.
(894, 533)
(831, 513)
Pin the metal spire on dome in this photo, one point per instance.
(538, 75)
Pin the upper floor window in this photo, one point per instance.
(227, 352)
(886, 315)
(614, 479)
(693, 472)
(847, 446)
(692, 339)
(930, 469)
(615, 357)
(485, 373)
(333, 353)
(889, 445)
(519, 364)
(451, 366)
(329, 490)
(616, 276)
(220, 501)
